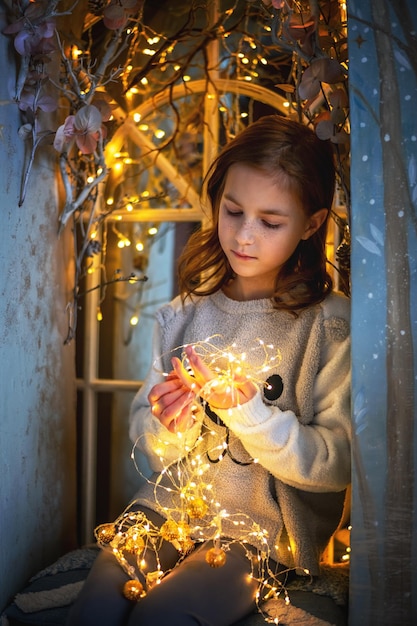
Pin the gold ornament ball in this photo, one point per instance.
(216, 557)
(196, 508)
(134, 544)
(173, 531)
(133, 590)
(169, 530)
(105, 533)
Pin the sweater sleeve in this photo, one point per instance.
(315, 456)
(160, 446)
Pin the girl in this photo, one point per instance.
(250, 380)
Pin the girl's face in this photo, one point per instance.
(260, 226)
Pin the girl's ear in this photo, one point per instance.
(314, 223)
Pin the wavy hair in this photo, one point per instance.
(292, 155)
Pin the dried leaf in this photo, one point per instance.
(337, 116)
(340, 136)
(325, 129)
(338, 98)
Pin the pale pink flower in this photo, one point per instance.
(85, 128)
(117, 12)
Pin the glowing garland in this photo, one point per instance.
(195, 514)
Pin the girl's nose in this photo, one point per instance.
(245, 233)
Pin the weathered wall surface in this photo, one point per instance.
(37, 379)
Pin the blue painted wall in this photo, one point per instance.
(383, 94)
(37, 379)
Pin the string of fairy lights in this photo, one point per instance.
(195, 513)
(191, 507)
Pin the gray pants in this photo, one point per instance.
(193, 593)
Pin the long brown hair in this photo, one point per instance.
(293, 155)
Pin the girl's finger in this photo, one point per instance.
(186, 378)
(159, 390)
(183, 420)
(202, 372)
(178, 420)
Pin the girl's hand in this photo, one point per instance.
(220, 392)
(172, 403)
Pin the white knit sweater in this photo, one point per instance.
(300, 436)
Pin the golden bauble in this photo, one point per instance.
(173, 531)
(105, 533)
(169, 530)
(197, 508)
(133, 590)
(134, 543)
(216, 557)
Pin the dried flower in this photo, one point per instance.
(117, 13)
(84, 128)
(33, 30)
(31, 99)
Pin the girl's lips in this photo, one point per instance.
(241, 256)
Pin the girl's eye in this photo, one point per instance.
(238, 213)
(233, 213)
(269, 225)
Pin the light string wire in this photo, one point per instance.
(192, 511)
